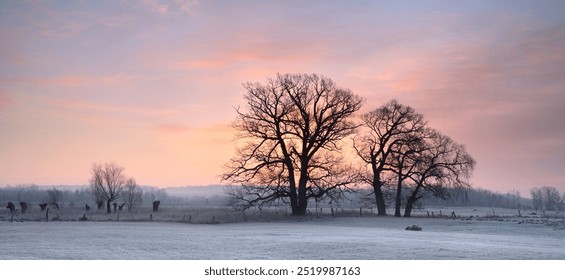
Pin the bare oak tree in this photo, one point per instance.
(132, 194)
(386, 131)
(440, 164)
(107, 183)
(404, 161)
(293, 127)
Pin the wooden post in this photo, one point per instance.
(47, 215)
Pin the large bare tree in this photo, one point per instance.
(107, 183)
(386, 131)
(441, 163)
(404, 162)
(292, 128)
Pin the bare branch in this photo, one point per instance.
(287, 123)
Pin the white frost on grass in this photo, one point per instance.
(310, 238)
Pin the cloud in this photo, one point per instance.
(164, 7)
(203, 131)
(202, 64)
(9, 51)
(171, 128)
(95, 107)
(6, 100)
(488, 76)
(71, 80)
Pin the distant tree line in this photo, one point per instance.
(543, 198)
(479, 197)
(547, 198)
(65, 196)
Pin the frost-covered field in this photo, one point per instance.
(307, 238)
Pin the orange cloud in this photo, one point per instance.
(171, 128)
(98, 107)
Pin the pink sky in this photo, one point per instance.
(152, 85)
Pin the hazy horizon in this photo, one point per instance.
(152, 85)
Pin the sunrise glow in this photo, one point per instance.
(153, 85)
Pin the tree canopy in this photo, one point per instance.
(292, 129)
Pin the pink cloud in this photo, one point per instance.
(202, 64)
(165, 7)
(71, 80)
(171, 128)
(6, 100)
(203, 132)
(104, 108)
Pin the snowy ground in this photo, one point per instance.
(307, 238)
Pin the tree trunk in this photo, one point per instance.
(410, 203)
(300, 210)
(398, 196)
(302, 200)
(299, 207)
(409, 206)
(108, 208)
(379, 197)
(294, 205)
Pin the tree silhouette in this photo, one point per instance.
(292, 127)
(397, 140)
(441, 163)
(387, 130)
(107, 183)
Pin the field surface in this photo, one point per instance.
(308, 238)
